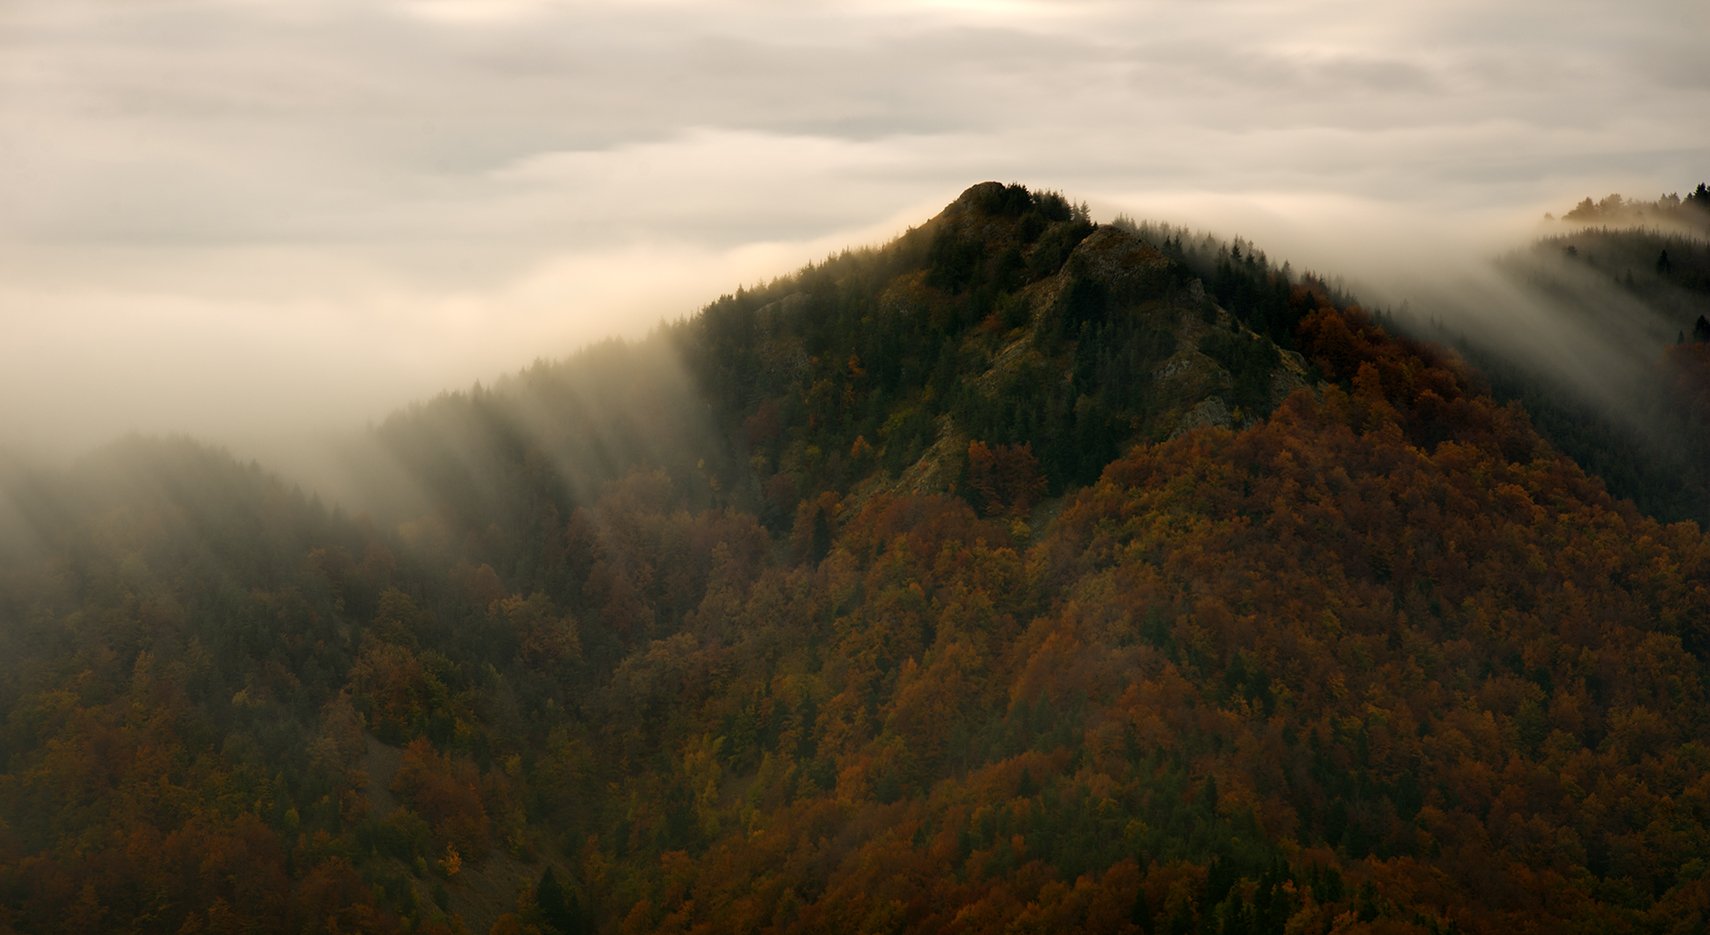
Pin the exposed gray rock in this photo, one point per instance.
(1209, 412)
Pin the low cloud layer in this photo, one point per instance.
(240, 217)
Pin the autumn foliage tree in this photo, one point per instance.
(1004, 479)
(1373, 657)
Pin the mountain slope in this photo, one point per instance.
(1010, 576)
(1008, 320)
(1608, 363)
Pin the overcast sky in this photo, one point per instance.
(242, 217)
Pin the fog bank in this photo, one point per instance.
(245, 220)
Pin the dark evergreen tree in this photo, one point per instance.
(559, 909)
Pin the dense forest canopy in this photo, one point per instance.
(1022, 574)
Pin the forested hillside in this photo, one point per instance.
(1632, 280)
(1023, 574)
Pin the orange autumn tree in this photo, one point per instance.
(1005, 479)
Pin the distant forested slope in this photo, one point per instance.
(1632, 280)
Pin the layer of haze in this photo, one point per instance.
(246, 219)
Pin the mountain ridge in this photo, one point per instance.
(906, 593)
